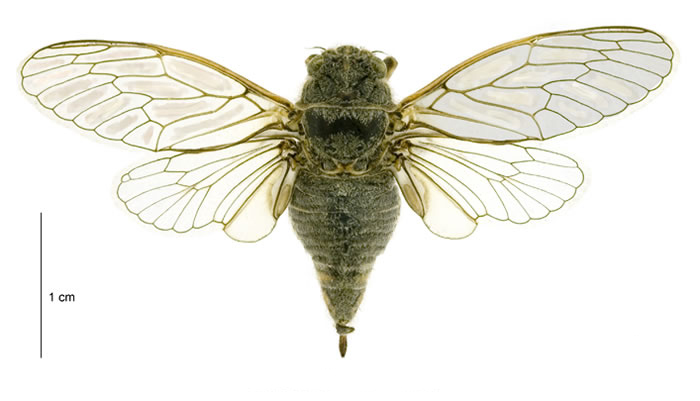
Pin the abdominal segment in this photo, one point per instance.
(344, 222)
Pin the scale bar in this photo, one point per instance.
(41, 285)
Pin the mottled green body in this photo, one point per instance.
(344, 223)
(345, 202)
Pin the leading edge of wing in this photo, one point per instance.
(526, 40)
(164, 50)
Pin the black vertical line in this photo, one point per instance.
(41, 285)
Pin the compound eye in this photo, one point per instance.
(313, 63)
(391, 65)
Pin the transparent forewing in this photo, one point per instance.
(542, 86)
(450, 182)
(246, 187)
(150, 96)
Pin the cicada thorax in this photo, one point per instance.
(343, 139)
(345, 203)
(345, 104)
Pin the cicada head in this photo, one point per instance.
(347, 76)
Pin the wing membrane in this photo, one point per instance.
(246, 187)
(450, 182)
(542, 86)
(150, 96)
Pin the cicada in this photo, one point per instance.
(338, 159)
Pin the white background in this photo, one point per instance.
(600, 301)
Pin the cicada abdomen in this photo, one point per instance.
(344, 223)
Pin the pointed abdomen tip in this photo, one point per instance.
(343, 345)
